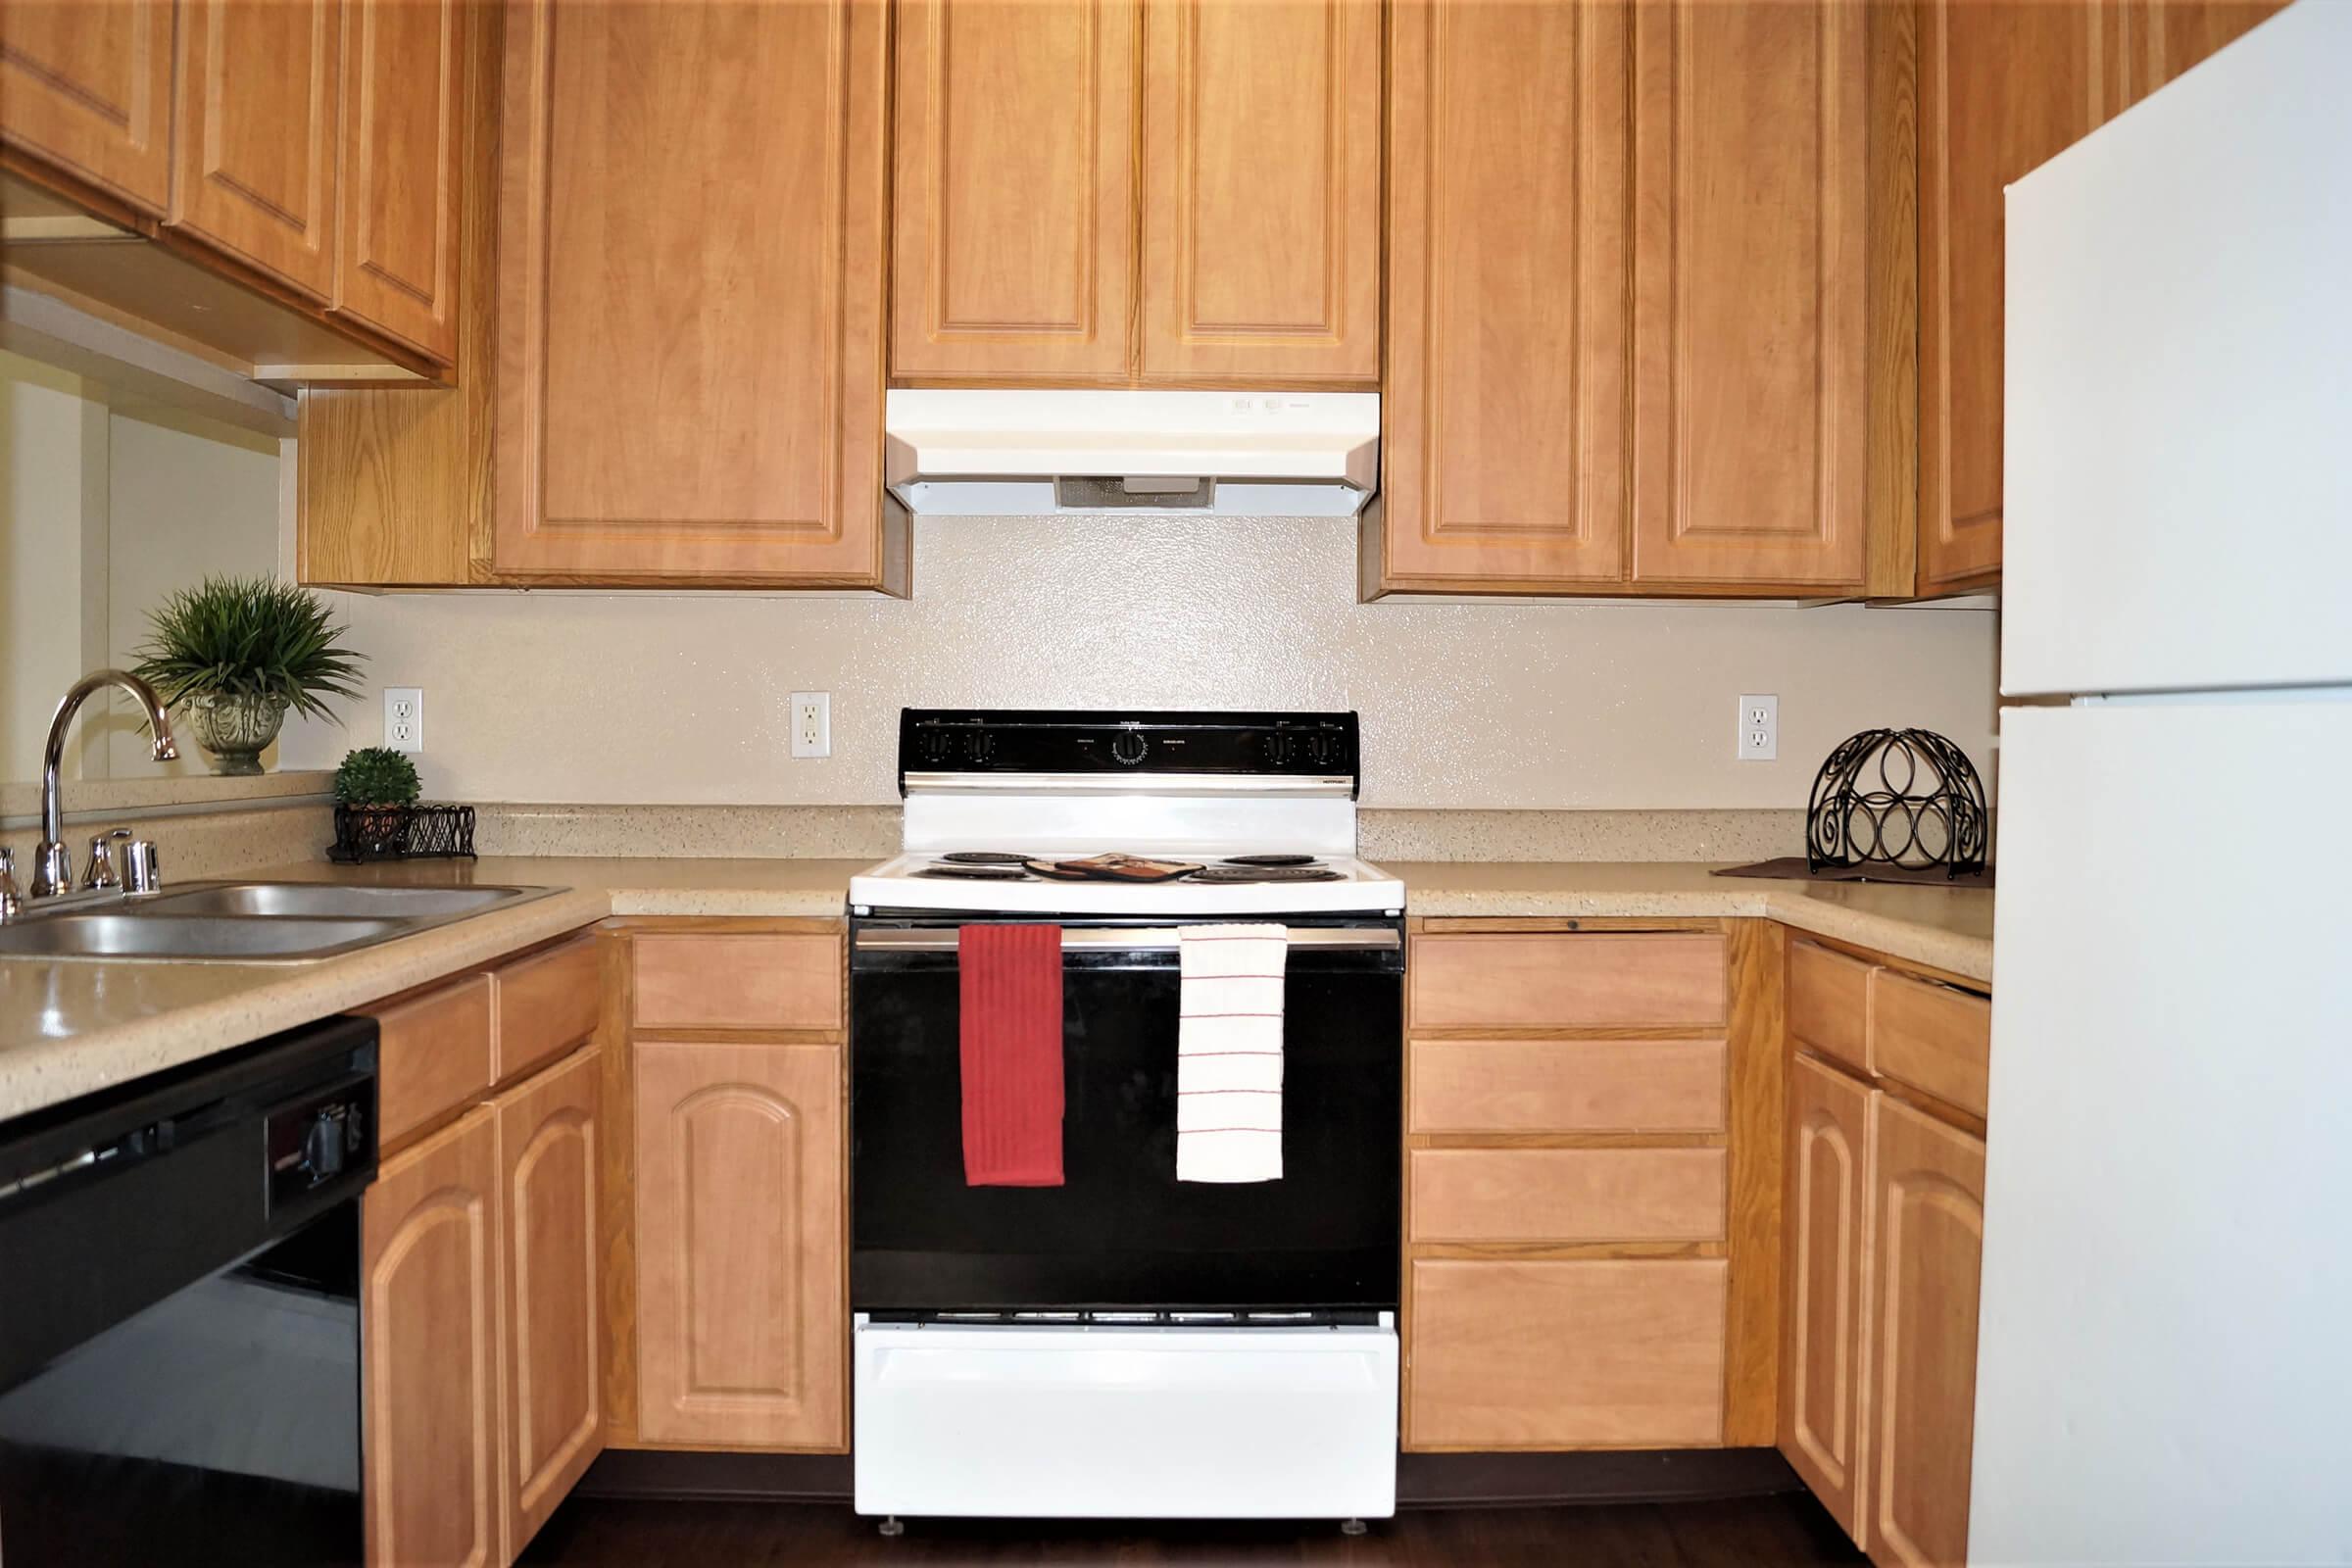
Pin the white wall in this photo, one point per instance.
(105, 506)
(681, 699)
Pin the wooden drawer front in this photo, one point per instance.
(1930, 1037)
(546, 1005)
(435, 1053)
(1567, 1194)
(1601, 1354)
(1547, 981)
(1828, 1003)
(1565, 1086)
(764, 980)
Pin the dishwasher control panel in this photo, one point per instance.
(320, 1140)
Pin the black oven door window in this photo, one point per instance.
(1122, 1232)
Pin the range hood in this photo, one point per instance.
(1226, 454)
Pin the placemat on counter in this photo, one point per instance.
(1793, 865)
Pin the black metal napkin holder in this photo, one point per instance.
(1897, 797)
(402, 833)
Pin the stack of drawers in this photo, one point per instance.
(1566, 1189)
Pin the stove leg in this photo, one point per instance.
(893, 1525)
(1352, 1527)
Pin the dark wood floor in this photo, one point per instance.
(1782, 1531)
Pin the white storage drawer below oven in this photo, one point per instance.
(1121, 1422)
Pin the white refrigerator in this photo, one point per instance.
(2165, 1339)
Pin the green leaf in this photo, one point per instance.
(249, 637)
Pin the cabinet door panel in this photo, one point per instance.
(1261, 190)
(2162, 38)
(739, 1244)
(88, 88)
(692, 267)
(395, 261)
(1927, 1259)
(430, 1314)
(1828, 1234)
(1747, 313)
(1510, 145)
(2001, 89)
(1600, 1355)
(1013, 253)
(255, 137)
(546, 1135)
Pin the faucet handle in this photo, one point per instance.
(101, 873)
(142, 873)
(10, 901)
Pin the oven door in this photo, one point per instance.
(1122, 1233)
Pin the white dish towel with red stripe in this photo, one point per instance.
(1229, 1053)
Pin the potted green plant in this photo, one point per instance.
(236, 652)
(375, 786)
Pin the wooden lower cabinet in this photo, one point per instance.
(548, 1153)
(1827, 1223)
(1602, 1353)
(1928, 1186)
(430, 1355)
(740, 1249)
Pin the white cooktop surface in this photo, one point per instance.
(895, 884)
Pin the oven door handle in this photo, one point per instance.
(1131, 939)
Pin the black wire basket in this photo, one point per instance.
(402, 833)
(1897, 797)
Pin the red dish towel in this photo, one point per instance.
(1010, 978)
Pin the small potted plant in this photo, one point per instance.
(236, 653)
(375, 786)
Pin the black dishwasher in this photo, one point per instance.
(180, 1312)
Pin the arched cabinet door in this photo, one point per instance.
(1828, 1223)
(1928, 1257)
(429, 1316)
(738, 1244)
(546, 1155)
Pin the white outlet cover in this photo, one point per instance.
(811, 718)
(404, 718)
(1758, 737)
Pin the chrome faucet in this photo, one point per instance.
(52, 866)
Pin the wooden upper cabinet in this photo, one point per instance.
(1928, 1184)
(253, 139)
(1748, 360)
(429, 1313)
(88, 90)
(552, 1253)
(1510, 146)
(396, 257)
(740, 1249)
(1013, 250)
(2162, 38)
(2001, 89)
(1262, 191)
(1825, 1285)
(692, 270)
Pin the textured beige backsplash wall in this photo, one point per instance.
(551, 697)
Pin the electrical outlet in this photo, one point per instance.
(812, 724)
(1759, 729)
(404, 717)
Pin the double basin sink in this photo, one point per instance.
(250, 922)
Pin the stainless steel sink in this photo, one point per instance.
(314, 900)
(247, 922)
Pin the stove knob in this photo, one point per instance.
(1128, 747)
(979, 746)
(1279, 749)
(1324, 751)
(935, 744)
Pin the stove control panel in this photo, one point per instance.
(941, 741)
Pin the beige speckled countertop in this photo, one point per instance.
(68, 1028)
(1944, 928)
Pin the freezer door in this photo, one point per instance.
(2163, 1358)
(2178, 498)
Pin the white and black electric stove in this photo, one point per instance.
(1232, 815)
(1126, 1343)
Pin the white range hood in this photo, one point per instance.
(1229, 454)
